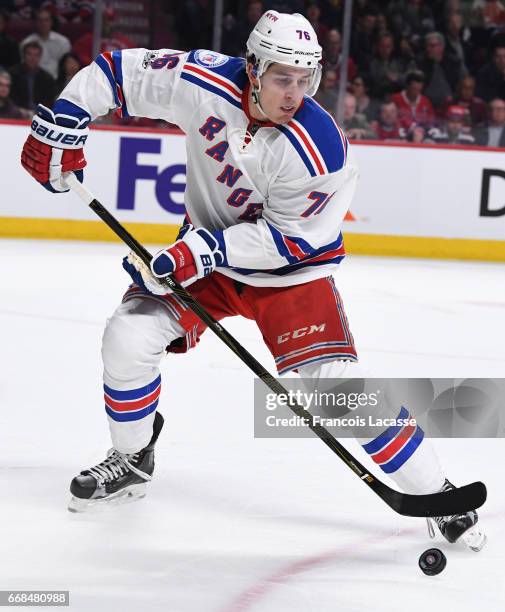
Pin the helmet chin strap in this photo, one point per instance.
(255, 95)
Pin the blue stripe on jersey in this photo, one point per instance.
(219, 236)
(283, 249)
(204, 85)
(133, 394)
(386, 436)
(302, 244)
(233, 68)
(299, 149)
(116, 58)
(104, 65)
(407, 451)
(279, 243)
(64, 107)
(324, 133)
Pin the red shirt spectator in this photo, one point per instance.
(313, 14)
(388, 127)
(465, 97)
(111, 41)
(83, 46)
(454, 130)
(493, 13)
(412, 106)
(332, 55)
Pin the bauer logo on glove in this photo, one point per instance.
(194, 256)
(55, 146)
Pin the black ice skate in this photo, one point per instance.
(459, 526)
(118, 478)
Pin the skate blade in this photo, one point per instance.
(125, 496)
(475, 539)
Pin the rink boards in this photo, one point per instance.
(412, 200)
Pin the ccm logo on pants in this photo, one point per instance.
(298, 333)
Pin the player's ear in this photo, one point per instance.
(251, 73)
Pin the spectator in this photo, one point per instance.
(410, 18)
(381, 26)
(194, 23)
(355, 125)
(416, 133)
(494, 134)
(20, 9)
(9, 51)
(69, 65)
(231, 41)
(406, 53)
(364, 104)
(8, 110)
(491, 77)
(457, 38)
(70, 11)
(493, 13)
(453, 131)
(465, 97)
(111, 40)
(363, 37)
(388, 127)
(385, 70)
(313, 14)
(332, 55)
(442, 71)
(413, 106)
(327, 93)
(234, 42)
(31, 84)
(54, 45)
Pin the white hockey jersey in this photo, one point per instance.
(274, 195)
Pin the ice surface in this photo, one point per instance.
(232, 524)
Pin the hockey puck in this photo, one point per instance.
(432, 561)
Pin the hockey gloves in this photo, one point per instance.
(194, 256)
(54, 146)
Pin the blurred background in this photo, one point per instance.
(422, 71)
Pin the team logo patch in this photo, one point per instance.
(149, 58)
(210, 59)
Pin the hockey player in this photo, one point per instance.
(270, 177)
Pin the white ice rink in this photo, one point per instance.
(233, 524)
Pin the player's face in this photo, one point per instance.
(282, 91)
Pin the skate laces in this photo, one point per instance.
(115, 465)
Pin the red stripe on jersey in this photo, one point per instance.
(328, 255)
(107, 55)
(293, 248)
(308, 145)
(213, 77)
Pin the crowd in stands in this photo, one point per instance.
(421, 71)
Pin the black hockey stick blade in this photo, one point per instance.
(456, 501)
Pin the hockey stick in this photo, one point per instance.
(461, 499)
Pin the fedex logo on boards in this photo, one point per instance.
(132, 170)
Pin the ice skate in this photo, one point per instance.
(118, 479)
(459, 527)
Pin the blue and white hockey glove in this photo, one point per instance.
(54, 146)
(196, 254)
